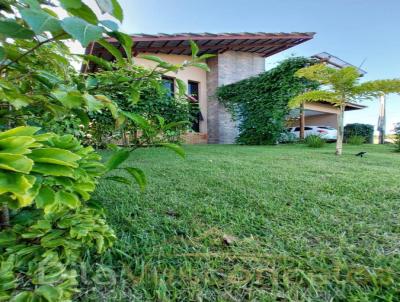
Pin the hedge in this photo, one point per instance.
(364, 130)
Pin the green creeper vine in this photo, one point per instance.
(260, 103)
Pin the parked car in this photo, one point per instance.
(326, 132)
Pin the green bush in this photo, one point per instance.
(364, 130)
(46, 181)
(314, 141)
(151, 101)
(356, 140)
(397, 137)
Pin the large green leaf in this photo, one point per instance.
(40, 21)
(138, 175)
(45, 198)
(19, 131)
(54, 170)
(22, 187)
(98, 61)
(194, 48)
(174, 147)
(15, 183)
(111, 49)
(15, 162)
(110, 105)
(152, 58)
(11, 29)
(138, 120)
(182, 87)
(110, 24)
(84, 13)
(71, 3)
(81, 30)
(55, 156)
(71, 99)
(202, 66)
(117, 11)
(119, 179)
(93, 104)
(48, 78)
(68, 199)
(106, 6)
(126, 42)
(117, 158)
(16, 145)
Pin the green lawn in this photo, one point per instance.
(307, 226)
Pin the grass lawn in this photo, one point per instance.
(305, 226)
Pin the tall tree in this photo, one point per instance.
(338, 87)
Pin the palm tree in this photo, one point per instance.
(338, 87)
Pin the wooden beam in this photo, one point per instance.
(138, 38)
(212, 47)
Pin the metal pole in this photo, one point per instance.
(382, 119)
(302, 121)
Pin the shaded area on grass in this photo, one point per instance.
(307, 226)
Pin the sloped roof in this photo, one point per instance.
(261, 43)
(335, 61)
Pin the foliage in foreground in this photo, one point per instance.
(47, 220)
(308, 226)
(260, 103)
(314, 141)
(340, 86)
(357, 129)
(48, 180)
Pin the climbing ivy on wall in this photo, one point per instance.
(260, 103)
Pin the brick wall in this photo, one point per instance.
(194, 138)
(229, 67)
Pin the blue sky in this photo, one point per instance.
(354, 30)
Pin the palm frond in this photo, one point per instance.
(314, 96)
(319, 73)
(378, 87)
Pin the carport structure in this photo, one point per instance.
(318, 113)
(321, 113)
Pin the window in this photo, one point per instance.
(169, 84)
(326, 127)
(193, 91)
(305, 128)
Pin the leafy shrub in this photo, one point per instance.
(260, 103)
(288, 138)
(151, 100)
(314, 141)
(356, 140)
(364, 130)
(47, 180)
(397, 137)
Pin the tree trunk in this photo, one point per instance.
(340, 131)
(4, 217)
(302, 121)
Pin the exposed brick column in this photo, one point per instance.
(229, 67)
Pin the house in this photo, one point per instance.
(237, 57)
